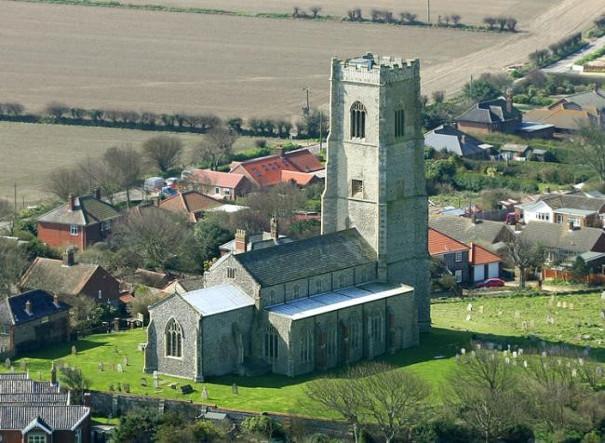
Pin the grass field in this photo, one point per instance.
(433, 359)
(28, 152)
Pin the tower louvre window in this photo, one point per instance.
(399, 123)
(358, 120)
(357, 188)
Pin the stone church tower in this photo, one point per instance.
(375, 167)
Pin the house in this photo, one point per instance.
(298, 166)
(218, 185)
(561, 241)
(565, 209)
(244, 242)
(31, 320)
(566, 116)
(68, 278)
(81, 222)
(192, 204)
(483, 263)
(37, 412)
(514, 151)
(489, 234)
(453, 253)
(498, 115)
(355, 292)
(183, 285)
(450, 139)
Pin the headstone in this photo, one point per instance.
(603, 295)
(469, 317)
(463, 351)
(602, 314)
(558, 304)
(507, 361)
(525, 363)
(570, 306)
(125, 362)
(234, 389)
(599, 371)
(74, 351)
(7, 363)
(469, 307)
(143, 382)
(205, 393)
(481, 309)
(101, 366)
(500, 313)
(23, 365)
(581, 361)
(514, 354)
(186, 389)
(564, 305)
(119, 368)
(574, 372)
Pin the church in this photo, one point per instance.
(358, 290)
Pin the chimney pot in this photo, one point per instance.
(56, 301)
(241, 241)
(98, 193)
(274, 228)
(28, 307)
(69, 257)
(53, 374)
(72, 202)
(509, 100)
(87, 399)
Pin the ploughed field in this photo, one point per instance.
(503, 321)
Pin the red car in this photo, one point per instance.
(491, 283)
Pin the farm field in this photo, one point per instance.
(471, 11)
(433, 359)
(172, 62)
(28, 152)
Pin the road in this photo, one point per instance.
(567, 17)
(567, 63)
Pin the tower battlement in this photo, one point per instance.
(374, 69)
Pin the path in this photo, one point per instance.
(567, 63)
(560, 21)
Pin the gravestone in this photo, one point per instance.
(234, 389)
(74, 351)
(100, 366)
(469, 307)
(119, 368)
(125, 362)
(205, 393)
(481, 309)
(469, 317)
(7, 363)
(186, 389)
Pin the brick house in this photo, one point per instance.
(81, 222)
(452, 253)
(217, 184)
(299, 166)
(68, 278)
(192, 204)
(38, 412)
(576, 210)
(483, 263)
(498, 115)
(31, 320)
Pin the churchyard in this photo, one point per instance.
(113, 362)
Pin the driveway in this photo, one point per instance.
(566, 65)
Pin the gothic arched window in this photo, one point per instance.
(399, 123)
(271, 343)
(358, 120)
(174, 339)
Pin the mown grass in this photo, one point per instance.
(503, 320)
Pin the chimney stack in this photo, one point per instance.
(98, 193)
(509, 100)
(241, 241)
(87, 399)
(56, 301)
(280, 151)
(28, 307)
(69, 257)
(72, 202)
(274, 228)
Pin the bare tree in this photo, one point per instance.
(56, 110)
(395, 399)
(525, 255)
(490, 22)
(501, 22)
(511, 24)
(12, 264)
(296, 12)
(455, 19)
(591, 140)
(13, 109)
(65, 181)
(5, 208)
(216, 147)
(485, 391)
(142, 300)
(125, 166)
(438, 96)
(163, 152)
(315, 11)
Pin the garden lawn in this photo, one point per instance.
(501, 321)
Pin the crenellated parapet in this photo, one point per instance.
(376, 70)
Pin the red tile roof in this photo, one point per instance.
(481, 256)
(440, 244)
(267, 171)
(217, 178)
(300, 178)
(190, 202)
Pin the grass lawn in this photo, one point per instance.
(504, 320)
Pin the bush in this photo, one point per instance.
(262, 425)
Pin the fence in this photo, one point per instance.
(590, 279)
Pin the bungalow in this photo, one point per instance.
(191, 204)
(68, 278)
(218, 185)
(498, 115)
(564, 209)
(299, 166)
(566, 116)
(31, 320)
(514, 151)
(448, 138)
(489, 234)
(79, 223)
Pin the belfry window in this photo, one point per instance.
(358, 120)
(174, 339)
(399, 123)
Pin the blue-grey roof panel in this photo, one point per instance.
(217, 299)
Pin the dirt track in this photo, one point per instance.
(563, 19)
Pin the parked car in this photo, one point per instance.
(491, 283)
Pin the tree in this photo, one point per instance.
(481, 90)
(281, 200)
(525, 255)
(155, 238)
(580, 269)
(438, 96)
(12, 264)
(142, 300)
(591, 140)
(315, 11)
(396, 400)
(67, 181)
(5, 208)
(217, 147)
(163, 152)
(456, 19)
(209, 235)
(139, 425)
(124, 166)
(490, 22)
(511, 24)
(56, 110)
(486, 393)
(75, 381)
(501, 22)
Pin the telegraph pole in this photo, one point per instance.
(307, 108)
(428, 10)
